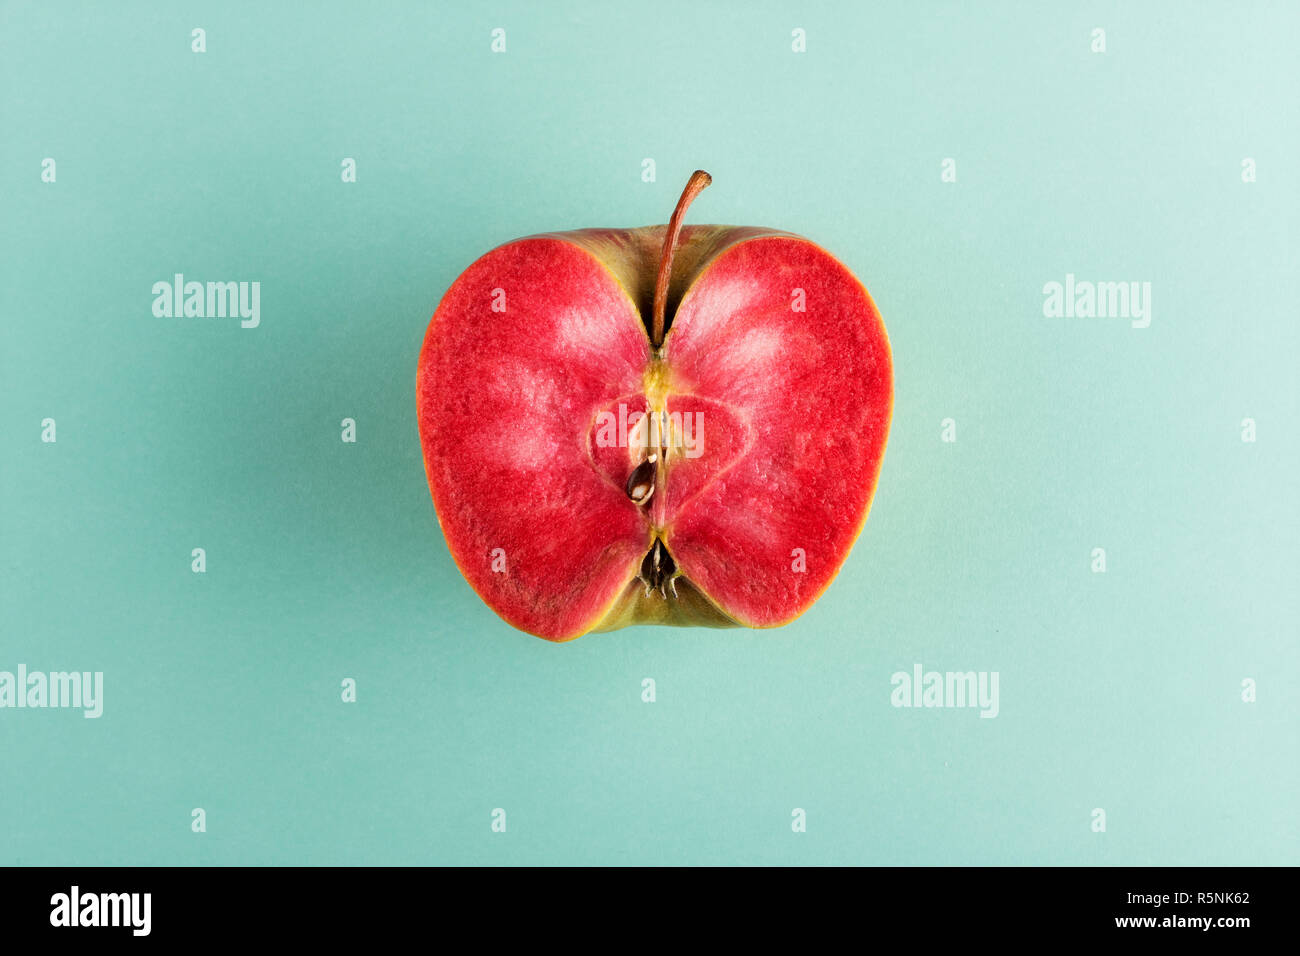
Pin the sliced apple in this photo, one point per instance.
(763, 365)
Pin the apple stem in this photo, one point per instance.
(694, 186)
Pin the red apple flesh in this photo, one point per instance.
(758, 338)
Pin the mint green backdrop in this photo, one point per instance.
(1120, 691)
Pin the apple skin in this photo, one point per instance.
(539, 336)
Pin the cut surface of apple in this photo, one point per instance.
(672, 425)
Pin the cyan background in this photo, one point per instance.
(1119, 691)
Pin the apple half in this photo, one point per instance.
(662, 425)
